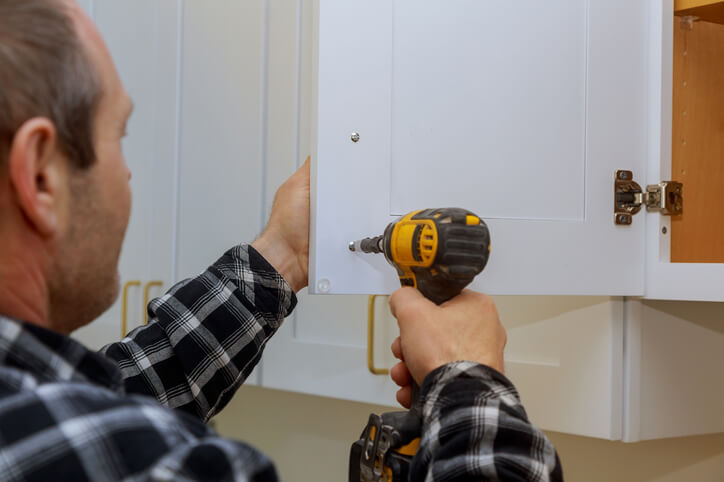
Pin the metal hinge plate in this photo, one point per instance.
(665, 197)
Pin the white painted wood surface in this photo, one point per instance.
(674, 360)
(482, 116)
(665, 280)
(353, 181)
(222, 114)
(565, 357)
(321, 348)
(142, 37)
(245, 113)
(573, 346)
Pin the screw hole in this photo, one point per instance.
(664, 230)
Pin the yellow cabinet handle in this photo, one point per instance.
(146, 290)
(124, 306)
(371, 339)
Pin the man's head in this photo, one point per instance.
(64, 184)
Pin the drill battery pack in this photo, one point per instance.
(386, 447)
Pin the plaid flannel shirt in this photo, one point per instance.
(136, 411)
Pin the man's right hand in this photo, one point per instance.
(466, 328)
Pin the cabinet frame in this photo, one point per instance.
(666, 280)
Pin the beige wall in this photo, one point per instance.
(309, 437)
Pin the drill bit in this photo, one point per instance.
(367, 245)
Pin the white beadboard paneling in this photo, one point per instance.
(222, 110)
(142, 38)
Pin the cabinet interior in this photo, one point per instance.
(697, 235)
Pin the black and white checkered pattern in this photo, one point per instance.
(475, 428)
(69, 414)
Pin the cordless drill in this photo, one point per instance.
(439, 252)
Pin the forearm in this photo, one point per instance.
(475, 428)
(206, 334)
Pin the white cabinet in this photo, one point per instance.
(222, 137)
(196, 140)
(521, 111)
(143, 39)
(221, 127)
(673, 364)
(565, 354)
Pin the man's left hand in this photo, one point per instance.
(285, 241)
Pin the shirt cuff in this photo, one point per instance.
(262, 283)
(461, 381)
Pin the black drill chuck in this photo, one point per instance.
(368, 245)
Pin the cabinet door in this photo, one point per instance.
(564, 354)
(685, 254)
(143, 39)
(520, 111)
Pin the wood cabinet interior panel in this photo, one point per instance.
(711, 11)
(697, 236)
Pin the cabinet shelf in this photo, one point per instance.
(711, 11)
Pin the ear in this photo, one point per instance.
(38, 175)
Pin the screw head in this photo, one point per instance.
(623, 175)
(324, 285)
(355, 137)
(664, 230)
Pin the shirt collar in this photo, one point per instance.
(52, 357)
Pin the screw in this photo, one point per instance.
(623, 175)
(355, 137)
(324, 285)
(664, 230)
(622, 218)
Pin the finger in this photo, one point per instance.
(400, 374)
(464, 295)
(305, 168)
(467, 296)
(397, 348)
(301, 176)
(402, 297)
(404, 396)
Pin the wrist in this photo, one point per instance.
(287, 262)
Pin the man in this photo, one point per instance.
(138, 409)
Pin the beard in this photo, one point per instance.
(85, 280)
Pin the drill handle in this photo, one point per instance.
(438, 289)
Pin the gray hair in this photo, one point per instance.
(45, 72)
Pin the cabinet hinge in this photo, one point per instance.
(665, 197)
